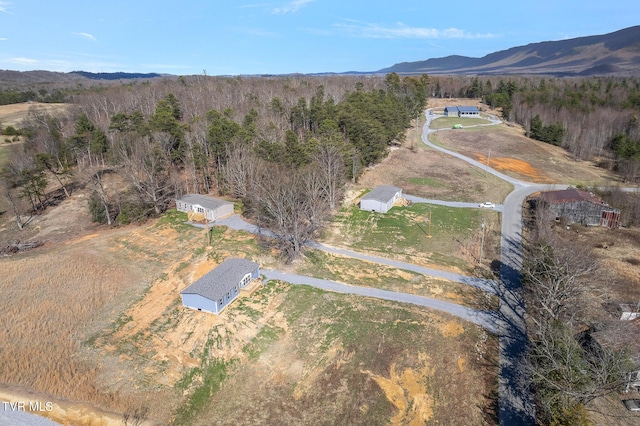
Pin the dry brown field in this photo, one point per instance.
(12, 115)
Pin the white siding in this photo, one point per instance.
(374, 205)
(195, 301)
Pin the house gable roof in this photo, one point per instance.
(382, 193)
(223, 278)
(204, 201)
(451, 109)
(620, 335)
(468, 109)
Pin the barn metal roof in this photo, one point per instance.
(568, 196)
(223, 278)
(204, 200)
(382, 193)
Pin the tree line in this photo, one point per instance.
(284, 147)
(8, 97)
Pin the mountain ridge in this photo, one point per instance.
(616, 53)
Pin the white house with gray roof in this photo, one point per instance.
(461, 111)
(211, 208)
(380, 199)
(221, 286)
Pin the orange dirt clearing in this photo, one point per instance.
(521, 167)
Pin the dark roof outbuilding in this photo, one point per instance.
(569, 196)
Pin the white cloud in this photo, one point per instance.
(3, 39)
(87, 36)
(3, 6)
(23, 61)
(291, 7)
(372, 30)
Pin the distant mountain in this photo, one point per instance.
(27, 79)
(115, 75)
(616, 53)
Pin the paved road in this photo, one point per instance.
(425, 138)
(456, 204)
(515, 398)
(483, 319)
(23, 418)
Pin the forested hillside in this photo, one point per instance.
(282, 146)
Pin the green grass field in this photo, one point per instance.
(405, 232)
(449, 122)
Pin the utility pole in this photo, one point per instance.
(482, 242)
(488, 160)
(429, 225)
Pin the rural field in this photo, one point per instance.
(13, 114)
(97, 326)
(109, 304)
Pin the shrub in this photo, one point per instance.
(96, 209)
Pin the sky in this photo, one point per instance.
(246, 37)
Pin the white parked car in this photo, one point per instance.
(487, 205)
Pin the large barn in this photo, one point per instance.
(380, 199)
(576, 206)
(208, 208)
(221, 286)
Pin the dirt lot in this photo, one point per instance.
(109, 305)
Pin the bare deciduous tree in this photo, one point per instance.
(331, 169)
(291, 206)
(552, 279)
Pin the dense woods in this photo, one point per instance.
(283, 146)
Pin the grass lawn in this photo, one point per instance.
(449, 122)
(404, 233)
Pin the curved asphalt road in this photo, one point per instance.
(514, 395)
(425, 138)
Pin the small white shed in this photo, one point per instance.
(380, 199)
(211, 208)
